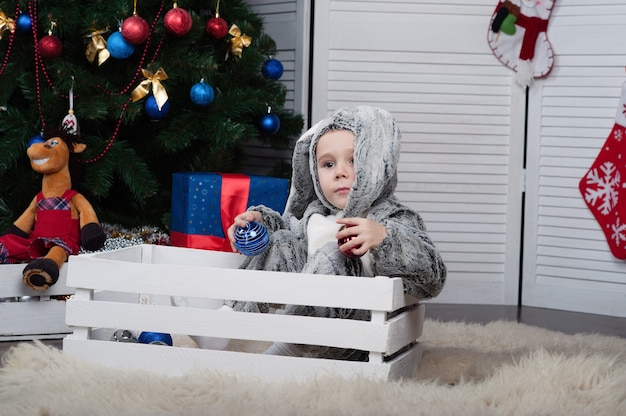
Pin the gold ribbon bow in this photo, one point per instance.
(238, 41)
(154, 81)
(6, 23)
(97, 48)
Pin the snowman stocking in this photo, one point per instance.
(603, 185)
(518, 37)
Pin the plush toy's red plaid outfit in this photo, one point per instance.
(54, 227)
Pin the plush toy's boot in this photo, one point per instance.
(41, 273)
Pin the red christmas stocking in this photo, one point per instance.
(603, 188)
(518, 37)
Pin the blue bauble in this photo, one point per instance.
(35, 139)
(155, 338)
(202, 93)
(253, 239)
(269, 124)
(152, 109)
(118, 47)
(24, 24)
(272, 69)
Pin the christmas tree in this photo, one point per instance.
(156, 87)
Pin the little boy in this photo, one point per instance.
(343, 184)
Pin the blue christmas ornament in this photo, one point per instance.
(23, 24)
(152, 108)
(118, 47)
(272, 69)
(269, 124)
(253, 239)
(155, 338)
(202, 93)
(35, 139)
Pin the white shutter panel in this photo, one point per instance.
(567, 263)
(461, 120)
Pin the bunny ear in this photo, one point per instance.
(70, 122)
(302, 191)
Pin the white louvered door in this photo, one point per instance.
(463, 119)
(567, 261)
(461, 165)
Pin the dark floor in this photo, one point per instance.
(562, 321)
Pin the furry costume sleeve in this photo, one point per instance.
(407, 251)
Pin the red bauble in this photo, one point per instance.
(135, 30)
(50, 46)
(349, 253)
(217, 27)
(177, 21)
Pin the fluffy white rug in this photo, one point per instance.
(501, 368)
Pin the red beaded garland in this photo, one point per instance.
(32, 10)
(127, 88)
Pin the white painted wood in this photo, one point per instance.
(462, 121)
(39, 318)
(12, 283)
(140, 272)
(176, 361)
(344, 333)
(33, 320)
(567, 262)
(186, 279)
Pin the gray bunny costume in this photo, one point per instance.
(405, 252)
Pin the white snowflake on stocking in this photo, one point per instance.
(619, 134)
(619, 232)
(606, 187)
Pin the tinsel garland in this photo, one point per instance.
(121, 237)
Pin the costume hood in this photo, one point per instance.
(376, 155)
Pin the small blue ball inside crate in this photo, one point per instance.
(155, 338)
(253, 239)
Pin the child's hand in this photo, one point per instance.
(242, 220)
(362, 234)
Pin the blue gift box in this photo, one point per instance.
(204, 205)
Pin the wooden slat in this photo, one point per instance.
(39, 318)
(33, 320)
(344, 333)
(183, 279)
(176, 361)
(12, 283)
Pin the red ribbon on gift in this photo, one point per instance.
(233, 201)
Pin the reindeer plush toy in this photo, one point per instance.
(58, 220)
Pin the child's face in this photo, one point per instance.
(335, 165)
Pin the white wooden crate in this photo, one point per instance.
(41, 318)
(171, 271)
